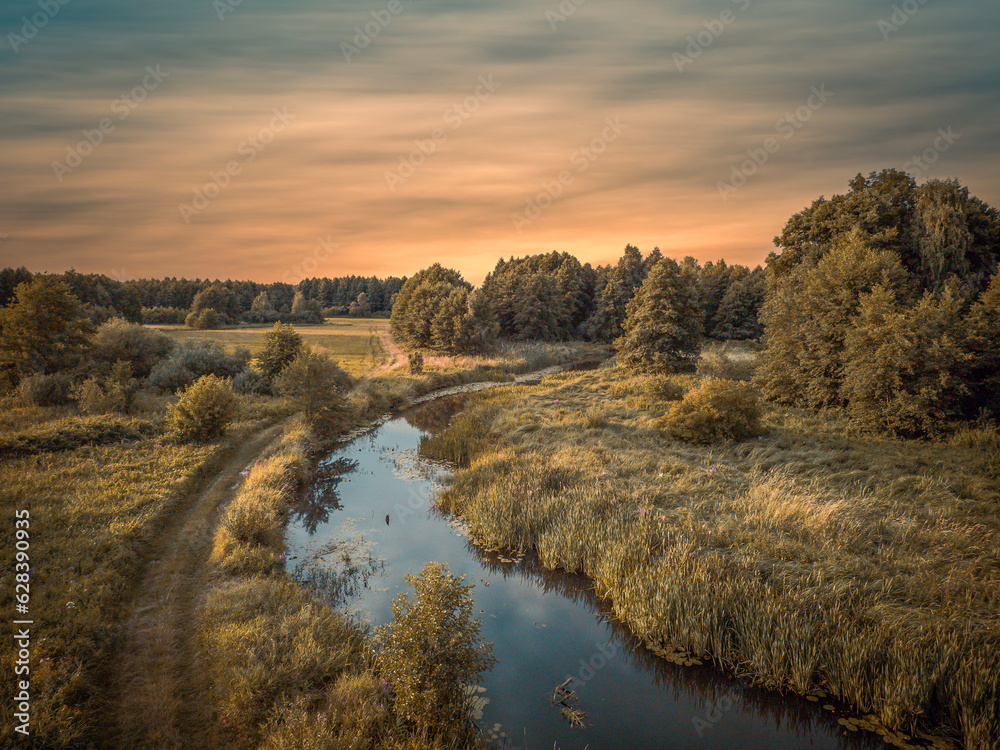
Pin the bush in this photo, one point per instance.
(117, 396)
(205, 320)
(317, 385)
(45, 390)
(662, 388)
(281, 345)
(252, 382)
(142, 347)
(416, 363)
(204, 409)
(91, 398)
(715, 411)
(431, 650)
(193, 359)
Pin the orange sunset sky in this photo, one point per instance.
(504, 97)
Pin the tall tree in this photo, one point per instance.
(44, 330)
(662, 330)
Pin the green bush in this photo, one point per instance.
(144, 348)
(316, 385)
(432, 650)
(204, 410)
(193, 359)
(281, 345)
(253, 382)
(717, 410)
(45, 390)
(416, 363)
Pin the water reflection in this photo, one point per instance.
(546, 626)
(315, 503)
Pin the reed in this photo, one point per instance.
(809, 557)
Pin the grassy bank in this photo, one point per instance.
(98, 491)
(813, 557)
(286, 672)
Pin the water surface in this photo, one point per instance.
(369, 521)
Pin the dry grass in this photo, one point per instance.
(347, 341)
(811, 556)
(284, 670)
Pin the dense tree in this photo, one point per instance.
(281, 345)
(316, 385)
(44, 330)
(417, 312)
(738, 313)
(879, 301)
(808, 314)
(662, 330)
(9, 279)
(903, 363)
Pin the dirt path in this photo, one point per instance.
(159, 688)
(394, 356)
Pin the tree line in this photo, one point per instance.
(553, 297)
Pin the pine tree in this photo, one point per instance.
(662, 330)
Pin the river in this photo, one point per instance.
(369, 520)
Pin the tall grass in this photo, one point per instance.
(811, 556)
(286, 670)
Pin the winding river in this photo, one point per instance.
(369, 520)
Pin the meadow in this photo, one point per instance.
(357, 344)
(860, 570)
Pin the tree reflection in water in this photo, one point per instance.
(314, 505)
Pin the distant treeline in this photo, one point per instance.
(172, 300)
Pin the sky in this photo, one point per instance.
(252, 139)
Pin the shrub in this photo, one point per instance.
(432, 650)
(204, 409)
(45, 390)
(91, 398)
(252, 382)
(281, 345)
(205, 320)
(662, 388)
(416, 363)
(142, 347)
(316, 385)
(193, 359)
(715, 411)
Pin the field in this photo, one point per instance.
(813, 558)
(350, 342)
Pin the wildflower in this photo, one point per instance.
(712, 470)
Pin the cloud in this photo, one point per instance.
(326, 172)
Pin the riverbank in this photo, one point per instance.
(814, 559)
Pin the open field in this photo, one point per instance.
(813, 558)
(349, 341)
(97, 502)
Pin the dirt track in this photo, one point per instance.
(158, 693)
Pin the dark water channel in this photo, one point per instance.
(545, 626)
